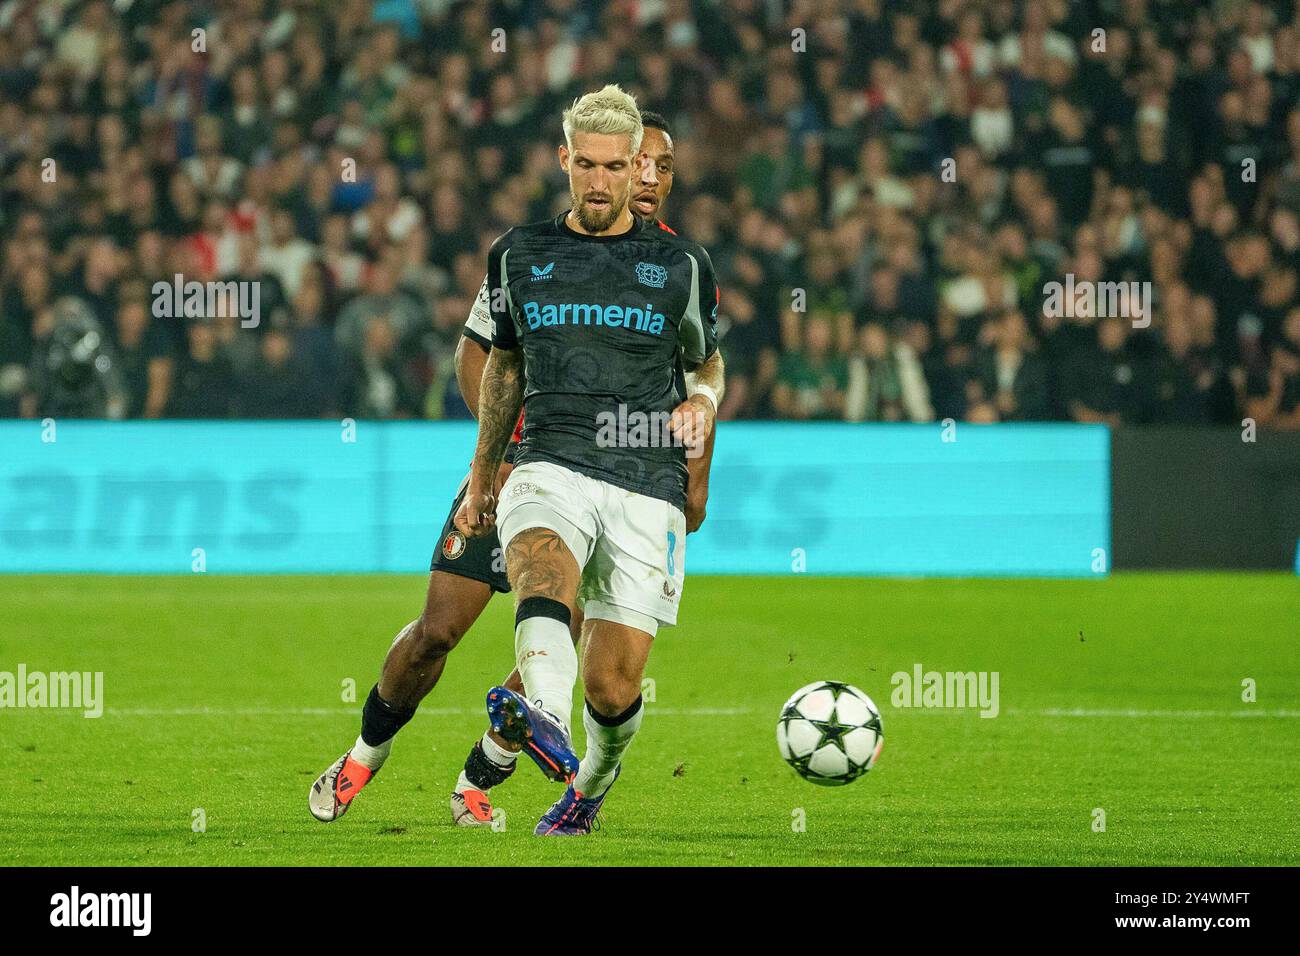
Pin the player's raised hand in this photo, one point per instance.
(477, 514)
(692, 421)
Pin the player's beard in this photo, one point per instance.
(597, 220)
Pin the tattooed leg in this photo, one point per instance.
(539, 564)
(544, 575)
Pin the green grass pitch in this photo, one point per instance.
(225, 695)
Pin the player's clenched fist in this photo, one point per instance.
(692, 421)
(477, 514)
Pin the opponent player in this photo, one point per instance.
(593, 314)
(466, 573)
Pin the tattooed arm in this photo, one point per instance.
(501, 396)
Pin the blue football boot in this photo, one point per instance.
(539, 733)
(573, 814)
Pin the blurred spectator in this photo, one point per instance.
(205, 381)
(1185, 376)
(144, 356)
(375, 383)
(1108, 383)
(313, 342)
(286, 256)
(811, 381)
(1273, 392)
(751, 354)
(875, 387)
(1012, 375)
(381, 300)
(276, 385)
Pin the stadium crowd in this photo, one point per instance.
(886, 187)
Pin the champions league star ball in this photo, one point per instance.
(830, 733)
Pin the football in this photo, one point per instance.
(830, 733)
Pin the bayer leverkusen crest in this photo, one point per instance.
(453, 546)
(651, 274)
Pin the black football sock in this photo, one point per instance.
(481, 772)
(380, 721)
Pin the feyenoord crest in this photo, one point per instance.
(453, 546)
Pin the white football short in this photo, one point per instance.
(631, 547)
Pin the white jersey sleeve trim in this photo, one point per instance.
(480, 315)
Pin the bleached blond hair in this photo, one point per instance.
(610, 110)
